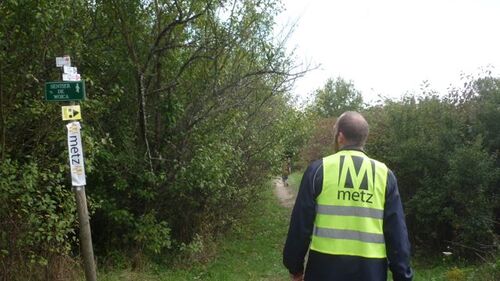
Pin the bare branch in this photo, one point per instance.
(167, 30)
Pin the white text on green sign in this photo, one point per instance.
(65, 91)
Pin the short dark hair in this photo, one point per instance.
(354, 128)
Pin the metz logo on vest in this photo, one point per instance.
(356, 188)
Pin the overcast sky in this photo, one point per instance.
(390, 46)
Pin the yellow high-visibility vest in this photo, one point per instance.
(350, 207)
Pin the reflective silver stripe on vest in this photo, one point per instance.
(349, 234)
(350, 211)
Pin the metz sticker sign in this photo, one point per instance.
(65, 91)
(76, 154)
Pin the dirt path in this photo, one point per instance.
(284, 194)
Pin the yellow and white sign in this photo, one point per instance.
(71, 112)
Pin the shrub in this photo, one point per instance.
(455, 274)
(38, 228)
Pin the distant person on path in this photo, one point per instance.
(286, 170)
(348, 214)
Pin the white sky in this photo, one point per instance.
(390, 46)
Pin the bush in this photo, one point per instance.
(455, 274)
(457, 208)
(38, 228)
(320, 142)
(446, 176)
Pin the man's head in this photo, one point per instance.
(350, 129)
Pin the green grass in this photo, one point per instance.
(252, 251)
(294, 180)
(448, 271)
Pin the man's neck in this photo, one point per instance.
(352, 147)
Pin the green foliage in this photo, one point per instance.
(294, 180)
(186, 115)
(38, 217)
(446, 176)
(444, 152)
(320, 142)
(153, 235)
(336, 97)
(487, 271)
(470, 183)
(250, 251)
(455, 274)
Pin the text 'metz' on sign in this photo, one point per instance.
(76, 154)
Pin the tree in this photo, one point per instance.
(336, 97)
(443, 168)
(186, 110)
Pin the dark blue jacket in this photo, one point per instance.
(325, 267)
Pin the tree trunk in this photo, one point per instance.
(2, 121)
(143, 117)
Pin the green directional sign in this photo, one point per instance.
(65, 91)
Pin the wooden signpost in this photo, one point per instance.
(74, 90)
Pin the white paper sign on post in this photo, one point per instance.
(62, 61)
(76, 154)
(69, 69)
(71, 77)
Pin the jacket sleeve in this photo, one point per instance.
(302, 220)
(396, 234)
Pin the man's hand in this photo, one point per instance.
(297, 276)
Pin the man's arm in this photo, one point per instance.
(302, 220)
(396, 234)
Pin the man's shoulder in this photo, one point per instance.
(389, 171)
(378, 162)
(315, 165)
(314, 168)
(314, 175)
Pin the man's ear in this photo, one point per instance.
(340, 138)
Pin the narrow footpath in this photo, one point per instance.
(284, 194)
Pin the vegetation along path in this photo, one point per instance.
(252, 251)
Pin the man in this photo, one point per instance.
(285, 171)
(349, 215)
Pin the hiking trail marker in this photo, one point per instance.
(65, 91)
(71, 112)
(71, 91)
